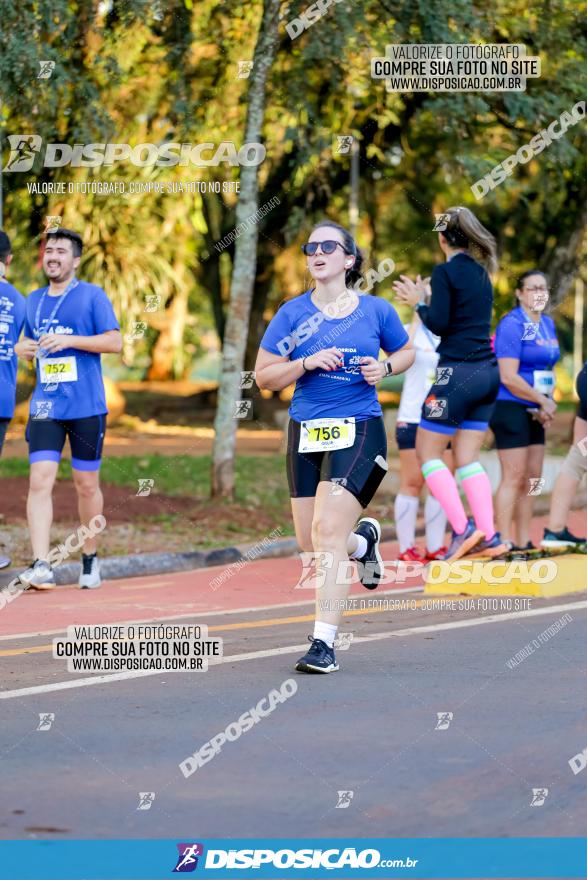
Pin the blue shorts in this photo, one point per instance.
(46, 439)
(463, 397)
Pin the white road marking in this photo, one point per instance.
(291, 649)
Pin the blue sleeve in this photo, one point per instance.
(277, 337)
(21, 315)
(103, 313)
(29, 317)
(508, 339)
(392, 333)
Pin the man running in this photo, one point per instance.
(12, 309)
(69, 324)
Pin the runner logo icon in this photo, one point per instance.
(188, 857)
(436, 407)
(539, 795)
(23, 149)
(46, 719)
(344, 799)
(444, 719)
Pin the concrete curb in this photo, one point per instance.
(142, 564)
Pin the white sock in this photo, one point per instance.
(361, 547)
(435, 519)
(406, 512)
(326, 632)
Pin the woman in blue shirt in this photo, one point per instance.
(527, 350)
(327, 341)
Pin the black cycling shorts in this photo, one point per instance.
(514, 427)
(581, 386)
(3, 428)
(462, 397)
(405, 435)
(46, 439)
(360, 468)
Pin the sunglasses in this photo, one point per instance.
(328, 247)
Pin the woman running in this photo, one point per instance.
(572, 472)
(460, 403)
(527, 349)
(327, 341)
(417, 383)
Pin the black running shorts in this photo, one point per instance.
(405, 435)
(360, 468)
(3, 428)
(46, 439)
(462, 397)
(514, 427)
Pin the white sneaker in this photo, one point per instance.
(38, 577)
(89, 578)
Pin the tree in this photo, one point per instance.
(243, 271)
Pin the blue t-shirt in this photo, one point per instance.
(86, 311)
(300, 329)
(12, 309)
(534, 345)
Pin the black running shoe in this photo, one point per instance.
(564, 538)
(370, 566)
(320, 658)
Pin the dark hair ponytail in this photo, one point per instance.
(355, 273)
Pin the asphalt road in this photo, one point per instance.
(372, 728)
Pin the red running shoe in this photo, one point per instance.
(438, 554)
(412, 554)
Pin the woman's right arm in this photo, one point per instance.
(274, 373)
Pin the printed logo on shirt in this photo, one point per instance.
(530, 331)
(436, 407)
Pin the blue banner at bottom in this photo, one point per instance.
(453, 858)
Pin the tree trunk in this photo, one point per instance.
(563, 263)
(168, 353)
(244, 266)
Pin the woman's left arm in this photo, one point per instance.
(401, 360)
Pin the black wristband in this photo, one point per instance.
(304, 364)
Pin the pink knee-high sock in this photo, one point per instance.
(477, 488)
(443, 486)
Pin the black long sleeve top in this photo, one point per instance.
(460, 310)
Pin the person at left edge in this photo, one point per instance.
(12, 309)
(327, 341)
(68, 325)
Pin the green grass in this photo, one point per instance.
(260, 480)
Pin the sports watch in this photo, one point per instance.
(388, 368)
